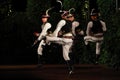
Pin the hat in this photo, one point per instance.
(59, 5)
(70, 14)
(64, 13)
(94, 12)
(46, 15)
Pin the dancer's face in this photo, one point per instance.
(71, 18)
(44, 19)
(94, 17)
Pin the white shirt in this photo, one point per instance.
(60, 24)
(45, 28)
(74, 25)
(90, 24)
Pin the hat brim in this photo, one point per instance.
(45, 16)
(69, 15)
(64, 13)
(93, 14)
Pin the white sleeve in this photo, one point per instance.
(74, 25)
(60, 24)
(89, 26)
(104, 26)
(44, 30)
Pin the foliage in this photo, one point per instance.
(35, 9)
(81, 7)
(112, 37)
(114, 48)
(21, 25)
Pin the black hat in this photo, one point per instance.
(64, 13)
(46, 15)
(94, 12)
(59, 5)
(70, 13)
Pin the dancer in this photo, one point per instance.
(95, 32)
(63, 35)
(41, 37)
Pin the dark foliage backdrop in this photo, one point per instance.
(19, 19)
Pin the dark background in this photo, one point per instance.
(19, 19)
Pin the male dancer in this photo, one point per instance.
(63, 35)
(95, 32)
(41, 37)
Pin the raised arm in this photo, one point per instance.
(44, 31)
(104, 26)
(88, 32)
(58, 28)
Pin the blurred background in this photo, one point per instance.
(19, 19)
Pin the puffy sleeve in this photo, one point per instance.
(60, 24)
(104, 26)
(44, 30)
(74, 25)
(89, 26)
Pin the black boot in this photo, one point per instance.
(97, 58)
(70, 66)
(39, 60)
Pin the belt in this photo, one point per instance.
(69, 37)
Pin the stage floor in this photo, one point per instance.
(57, 72)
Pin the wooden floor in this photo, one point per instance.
(57, 72)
